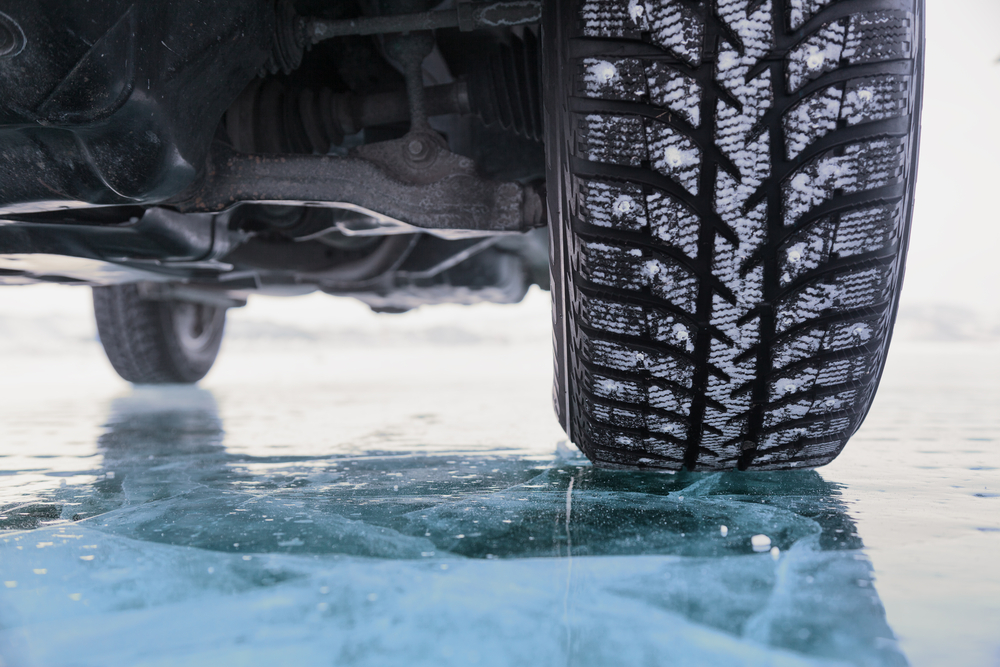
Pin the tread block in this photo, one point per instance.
(613, 205)
(827, 373)
(630, 359)
(611, 139)
(810, 407)
(867, 229)
(674, 154)
(800, 11)
(672, 222)
(857, 101)
(816, 454)
(866, 37)
(863, 166)
(813, 118)
(614, 317)
(670, 89)
(638, 322)
(623, 391)
(879, 36)
(806, 250)
(617, 416)
(631, 207)
(818, 54)
(670, 399)
(847, 291)
(832, 338)
(672, 24)
(612, 79)
(875, 98)
(635, 269)
(627, 448)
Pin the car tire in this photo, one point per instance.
(157, 342)
(730, 185)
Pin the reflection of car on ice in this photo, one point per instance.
(727, 187)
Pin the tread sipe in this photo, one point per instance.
(157, 342)
(730, 190)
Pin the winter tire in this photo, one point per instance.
(730, 185)
(157, 342)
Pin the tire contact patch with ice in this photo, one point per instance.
(730, 189)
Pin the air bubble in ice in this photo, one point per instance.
(723, 530)
(760, 543)
(775, 553)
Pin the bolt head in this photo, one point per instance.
(415, 147)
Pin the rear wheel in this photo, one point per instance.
(730, 187)
(157, 342)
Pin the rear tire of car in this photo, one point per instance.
(730, 185)
(157, 342)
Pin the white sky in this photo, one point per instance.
(955, 240)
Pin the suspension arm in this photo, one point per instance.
(410, 181)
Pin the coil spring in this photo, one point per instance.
(505, 87)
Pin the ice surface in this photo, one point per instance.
(185, 554)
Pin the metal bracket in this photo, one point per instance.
(159, 291)
(413, 180)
